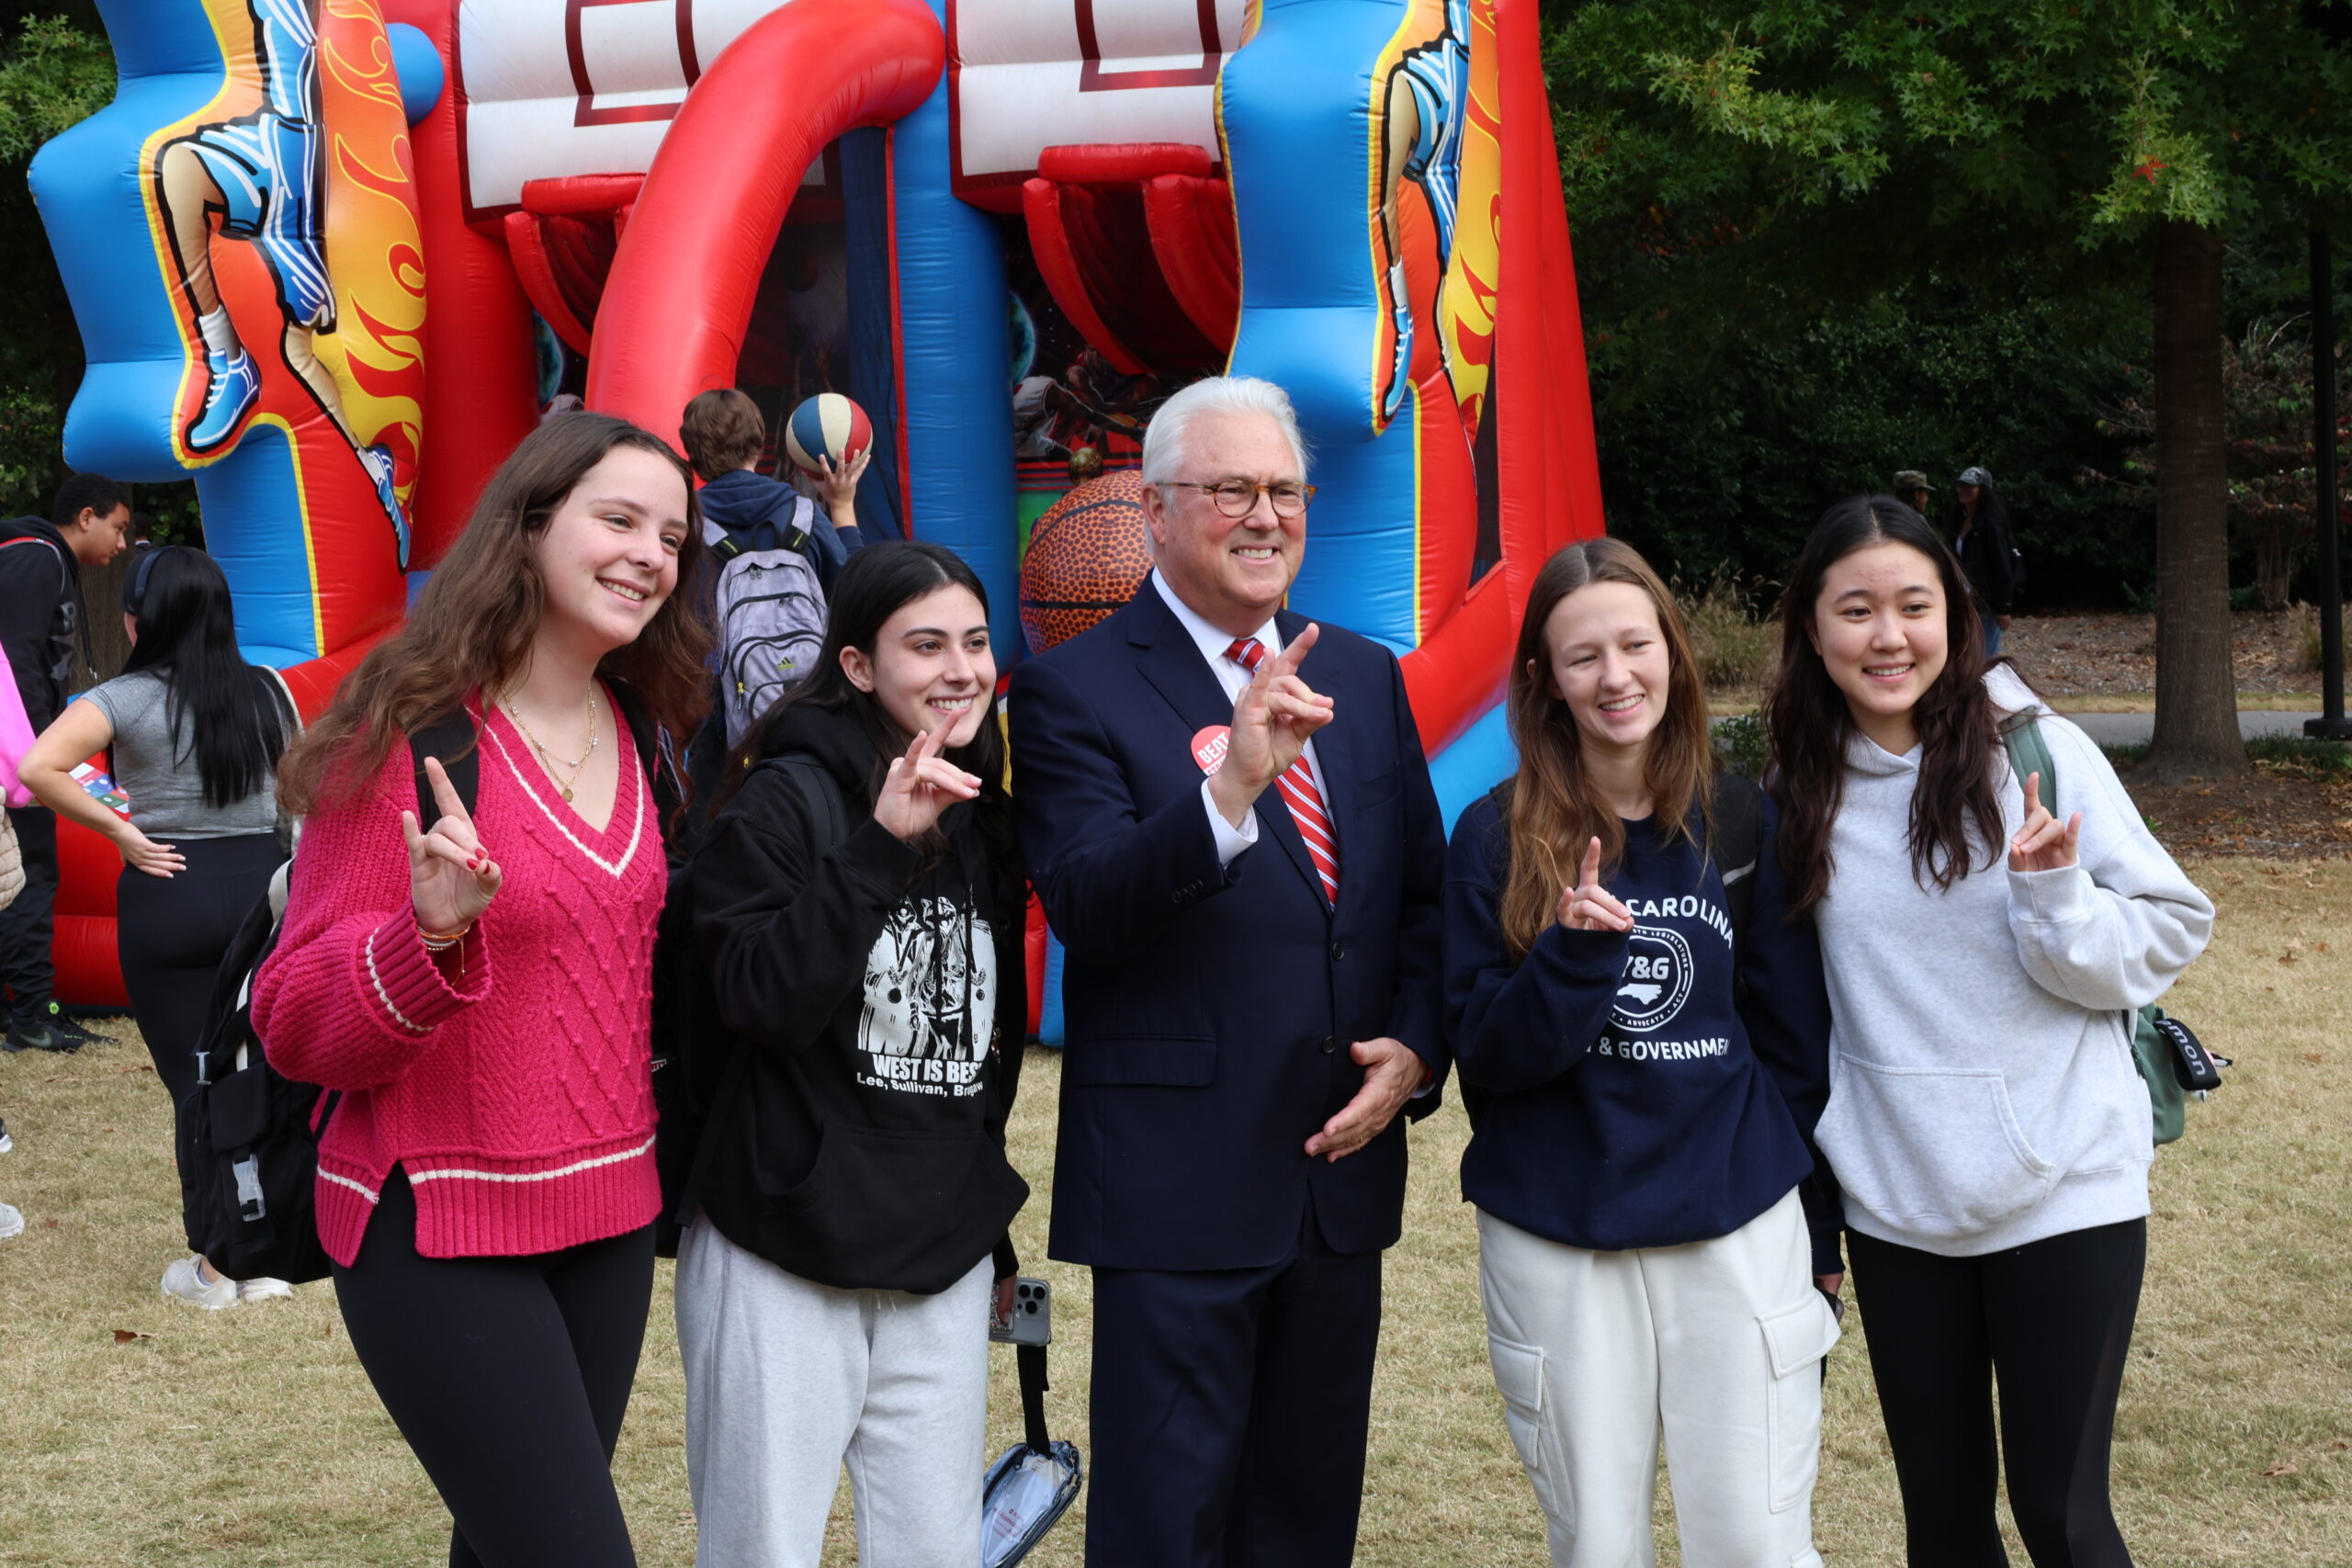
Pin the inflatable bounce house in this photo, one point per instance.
(336, 257)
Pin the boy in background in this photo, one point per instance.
(724, 434)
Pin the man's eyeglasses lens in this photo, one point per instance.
(1235, 498)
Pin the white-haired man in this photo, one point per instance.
(1228, 816)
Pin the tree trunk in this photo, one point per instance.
(2197, 709)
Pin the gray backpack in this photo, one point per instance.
(770, 613)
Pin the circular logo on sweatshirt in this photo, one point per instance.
(1656, 979)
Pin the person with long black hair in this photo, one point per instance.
(1987, 552)
(1987, 1122)
(196, 733)
(861, 903)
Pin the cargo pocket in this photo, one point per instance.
(1795, 1339)
(1518, 1377)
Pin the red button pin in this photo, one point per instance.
(1209, 746)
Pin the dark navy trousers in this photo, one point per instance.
(1229, 1412)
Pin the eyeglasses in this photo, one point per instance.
(1239, 498)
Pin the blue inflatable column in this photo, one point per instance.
(956, 348)
(1295, 107)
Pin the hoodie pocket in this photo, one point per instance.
(1932, 1149)
(884, 1208)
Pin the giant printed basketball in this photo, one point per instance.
(827, 425)
(1086, 557)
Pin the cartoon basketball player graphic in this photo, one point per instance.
(262, 173)
(1422, 107)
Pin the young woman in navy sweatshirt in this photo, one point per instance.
(1644, 1071)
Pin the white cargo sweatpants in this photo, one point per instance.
(1719, 1343)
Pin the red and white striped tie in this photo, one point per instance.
(1297, 785)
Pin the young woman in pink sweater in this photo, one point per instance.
(479, 987)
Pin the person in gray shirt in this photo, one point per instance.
(195, 734)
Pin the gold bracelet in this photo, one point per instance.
(441, 941)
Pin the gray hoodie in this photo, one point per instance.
(1982, 1092)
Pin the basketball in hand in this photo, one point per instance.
(827, 425)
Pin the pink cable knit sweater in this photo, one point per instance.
(516, 1095)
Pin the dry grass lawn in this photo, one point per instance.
(251, 1438)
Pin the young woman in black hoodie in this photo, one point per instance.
(861, 907)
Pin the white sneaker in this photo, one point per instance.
(184, 1279)
(12, 1222)
(263, 1290)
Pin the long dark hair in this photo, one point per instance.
(1990, 515)
(237, 716)
(1955, 807)
(876, 583)
(472, 626)
(1553, 807)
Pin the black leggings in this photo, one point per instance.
(170, 932)
(509, 1377)
(2051, 1321)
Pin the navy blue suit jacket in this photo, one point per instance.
(1209, 1010)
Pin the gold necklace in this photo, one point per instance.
(547, 759)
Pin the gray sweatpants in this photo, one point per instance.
(786, 1380)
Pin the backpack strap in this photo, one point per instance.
(654, 752)
(2029, 752)
(452, 739)
(1737, 843)
(822, 794)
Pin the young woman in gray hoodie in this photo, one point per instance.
(1985, 944)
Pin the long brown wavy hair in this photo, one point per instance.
(1555, 809)
(472, 626)
(1956, 806)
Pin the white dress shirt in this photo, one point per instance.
(1213, 642)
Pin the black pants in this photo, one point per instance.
(27, 925)
(509, 1377)
(170, 932)
(2051, 1321)
(1230, 1411)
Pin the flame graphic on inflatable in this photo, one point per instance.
(1466, 298)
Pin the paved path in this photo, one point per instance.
(2134, 728)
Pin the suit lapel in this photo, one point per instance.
(1171, 661)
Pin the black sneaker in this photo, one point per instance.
(37, 1034)
(64, 1023)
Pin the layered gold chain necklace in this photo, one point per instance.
(549, 760)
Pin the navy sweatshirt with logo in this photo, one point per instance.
(1632, 1102)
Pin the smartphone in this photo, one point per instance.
(1031, 1321)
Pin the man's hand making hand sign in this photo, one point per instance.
(1272, 719)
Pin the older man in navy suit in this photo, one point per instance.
(1228, 814)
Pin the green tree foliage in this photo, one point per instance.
(1771, 168)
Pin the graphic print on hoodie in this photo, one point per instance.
(929, 1000)
(1660, 969)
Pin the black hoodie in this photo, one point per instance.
(886, 1001)
(40, 596)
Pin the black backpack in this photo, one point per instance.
(248, 1136)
